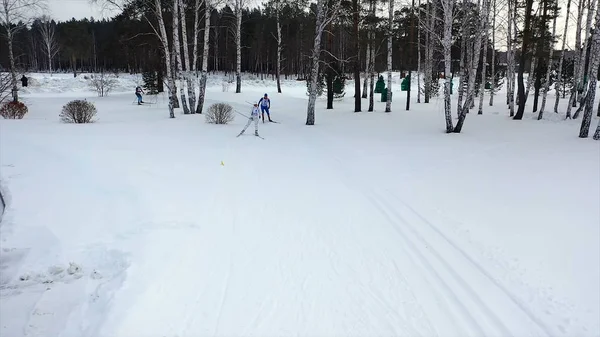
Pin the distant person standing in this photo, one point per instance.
(138, 93)
(24, 81)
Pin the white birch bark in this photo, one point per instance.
(559, 80)
(279, 45)
(463, 52)
(194, 65)
(170, 79)
(473, 65)
(531, 75)
(186, 58)
(582, 74)
(429, 51)
(593, 79)
(448, 8)
(388, 103)
(493, 81)
(324, 16)
(597, 133)
(372, 58)
(483, 68)
(418, 55)
(510, 59)
(178, 65)
(49, 40)
(205, 50)
(549, 67)
(365, 91)
(238, 46)
(576, 77)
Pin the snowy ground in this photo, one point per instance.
(365, 224)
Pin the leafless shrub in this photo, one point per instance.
(219, 113)
(103, 83)
(78, 111)
(13, 110)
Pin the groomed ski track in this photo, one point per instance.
(230, 254)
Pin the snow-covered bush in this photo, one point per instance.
(103, 83)
(13, 110)
(78, 111)
(219, 113)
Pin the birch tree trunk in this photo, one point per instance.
(191, 90)
(388, 103)
(549, 67)
(586, 44)
(365, 91)
(531, 75)
(593, 79)
(573, 97)
(510, 93)
(483, 67)
(357, 96)
(429, 51)
(205, 50)
(559, 79)
(194, 69)
(238, 46)
(372, 56)
(278, 65)
(178, 65)
(418, 55)
(323, 17)
(597, 133)
(493, 81)
(448, 8)
(48, 33)
(526, 37)
(167, 54)
(463, 53)
(473, 65)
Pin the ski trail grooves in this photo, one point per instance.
(485, 306)
(421, 219)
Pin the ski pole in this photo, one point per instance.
(240, 113)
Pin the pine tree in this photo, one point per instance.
(150, 79)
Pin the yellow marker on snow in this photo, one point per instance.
(222, 164)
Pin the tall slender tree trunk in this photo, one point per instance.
(186, 58)
(510, 95)
(357, 96)
(168, 58)
(473, 65)
(559, 79)
(238, 46)
(412, 46)
(593, 79)
(448, 8)
(578, 61)
(278, 65)
(526, 36)
(13, 67)
(205, 51)
(549, 67)
(429, 51)
(418, 56)
(321, 23)
(388, 103)
(372, 56)
(463, 48)
(177, 63)
(493, 81)
(483, 67)
(365, 92)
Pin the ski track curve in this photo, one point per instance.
(486, 306)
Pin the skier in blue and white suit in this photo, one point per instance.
(265, 105)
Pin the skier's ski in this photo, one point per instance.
(261, 137)
(274, 122)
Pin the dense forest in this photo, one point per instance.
(486, 44)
